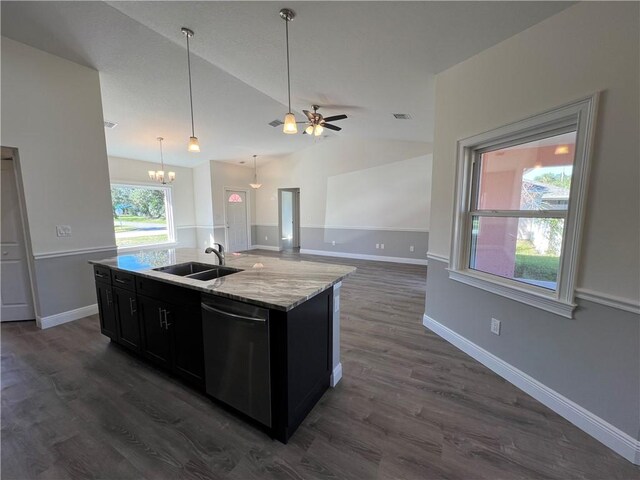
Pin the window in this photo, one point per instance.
(235, 198)
(519, 207)
(142, 215)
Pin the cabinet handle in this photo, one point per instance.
(100, 275)
(120, 281)
(160, 316)
(132, 307)
(166, 323)
(109, 301)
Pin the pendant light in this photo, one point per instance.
(290, 126)
(158, 175)
(255, 183)
(194, 145)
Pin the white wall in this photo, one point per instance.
(52, 112)
(352, 183)
(588, 367)
(587, 48)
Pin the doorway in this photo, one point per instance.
(289, 218)
(236, 213)
(16, 298)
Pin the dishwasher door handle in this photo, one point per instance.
(233, 315)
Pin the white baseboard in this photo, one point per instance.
(614, 438)
(64, 317)
(362, 256)
(336, 375)
(264, 247)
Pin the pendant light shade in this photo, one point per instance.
(255, 183)
(290, 126)
(159, 175)
(194, 144)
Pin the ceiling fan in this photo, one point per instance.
(316, 123)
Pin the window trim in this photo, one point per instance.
(580, 114)
(171, 229)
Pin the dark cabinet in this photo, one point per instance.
(106, 309)
(126, 306)
(188, 349)
(156, 344)
(172, 337)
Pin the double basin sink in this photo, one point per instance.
(198, 271)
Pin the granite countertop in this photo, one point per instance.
(269, 282)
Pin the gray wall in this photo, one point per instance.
(593, 359)
(351, 240)
(259, 232)
(66, 282)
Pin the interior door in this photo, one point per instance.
(15, 292)
(236, 212)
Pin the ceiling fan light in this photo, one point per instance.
(290, 125)
(194, 145)
(318, 130)
(309, 130)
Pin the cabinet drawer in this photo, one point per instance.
(122, 279)
(167, 292)
(102, 274)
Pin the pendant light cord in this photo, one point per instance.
(193, 134)
(286, 28)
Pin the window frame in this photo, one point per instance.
(171, 230)
(579, 116)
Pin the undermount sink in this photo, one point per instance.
(198, 271)
(215, 272)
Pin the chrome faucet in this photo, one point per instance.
(219, 253)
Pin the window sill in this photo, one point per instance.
(533, 297)
(135, 248)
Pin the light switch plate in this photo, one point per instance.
(495, 326)
(63, 230)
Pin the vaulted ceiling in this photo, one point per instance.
(366, 59)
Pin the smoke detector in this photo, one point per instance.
(402, 116)
(110, 125)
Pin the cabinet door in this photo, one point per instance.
(185, 323)
(156, 345)
(106, 310)
(127, 318)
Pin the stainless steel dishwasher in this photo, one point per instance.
(236, 352)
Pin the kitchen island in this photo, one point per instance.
(260, 335)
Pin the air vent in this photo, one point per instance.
(276, 123)
(110, 124)
(402, 116)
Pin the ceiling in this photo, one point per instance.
(366, 59)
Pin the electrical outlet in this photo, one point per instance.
(411, 248)
(377, 245)
(382, 246)
(495, 326)
(63, 230)
(333, 242)
(266, 238)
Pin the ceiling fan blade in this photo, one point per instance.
(334, 118)
(331, 127)
(308, 114)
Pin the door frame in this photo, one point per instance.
(12, 152)
(296, 216)
(247, 205)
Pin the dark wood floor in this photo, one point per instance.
(410, 405)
